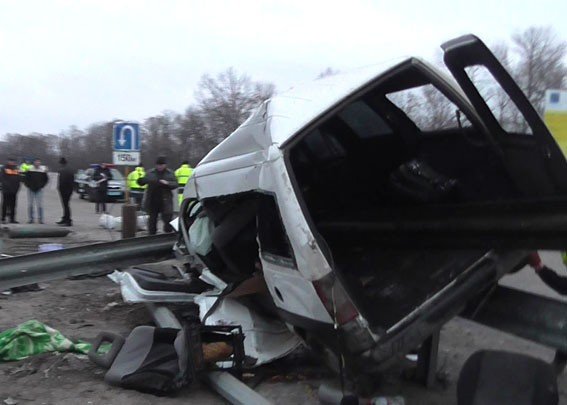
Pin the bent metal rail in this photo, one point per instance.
(47, 266)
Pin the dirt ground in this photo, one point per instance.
(80, 309)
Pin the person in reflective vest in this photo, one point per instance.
(183, 174)
(136, 190)
(25, 166)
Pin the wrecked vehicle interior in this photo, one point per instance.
(370, 160)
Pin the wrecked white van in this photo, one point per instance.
(364, 200)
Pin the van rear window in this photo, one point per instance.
(428, 108)
(364, 121)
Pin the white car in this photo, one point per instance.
(349, 194)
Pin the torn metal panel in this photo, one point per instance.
(266, 339)
(223, 183)
(311, 262)
(175, 224)
(208, 277)
(132, 292)
(293, 293)
(248, 138)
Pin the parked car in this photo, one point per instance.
(320, 187)
(85, 186)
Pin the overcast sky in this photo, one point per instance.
(79, 62)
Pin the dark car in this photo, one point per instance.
(85, 186)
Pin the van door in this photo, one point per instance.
(530, 152)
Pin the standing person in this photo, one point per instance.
(136, 190)
(159, 198)
(10, 178)
(101, 176)
(183, 174)
(35, 179)
(65, 184)
(25, 166)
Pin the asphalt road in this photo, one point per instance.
(85, 219)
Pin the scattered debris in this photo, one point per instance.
(332, 395)
(110, 222)
(110, 305)
(161, 361)
(32, 338)
(266, 339)
(49, 247)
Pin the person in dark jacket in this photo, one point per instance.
(10, 179)
(101, 176)
(159, 197)
(548, 276)
(35, 179)
(65, 185)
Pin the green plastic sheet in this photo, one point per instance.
(33, 337)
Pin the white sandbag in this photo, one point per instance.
(108, 221)
(142, 222)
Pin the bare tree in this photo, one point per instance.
(541, 62)
(193, 141)
(160, 135)
(226, 100)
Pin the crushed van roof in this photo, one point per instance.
(278, 119)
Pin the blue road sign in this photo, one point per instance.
(127, 136)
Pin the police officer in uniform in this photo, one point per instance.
(159, 197)
(183, 174)
(137, 191)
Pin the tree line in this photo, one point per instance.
(222, 103)
(535, 57)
